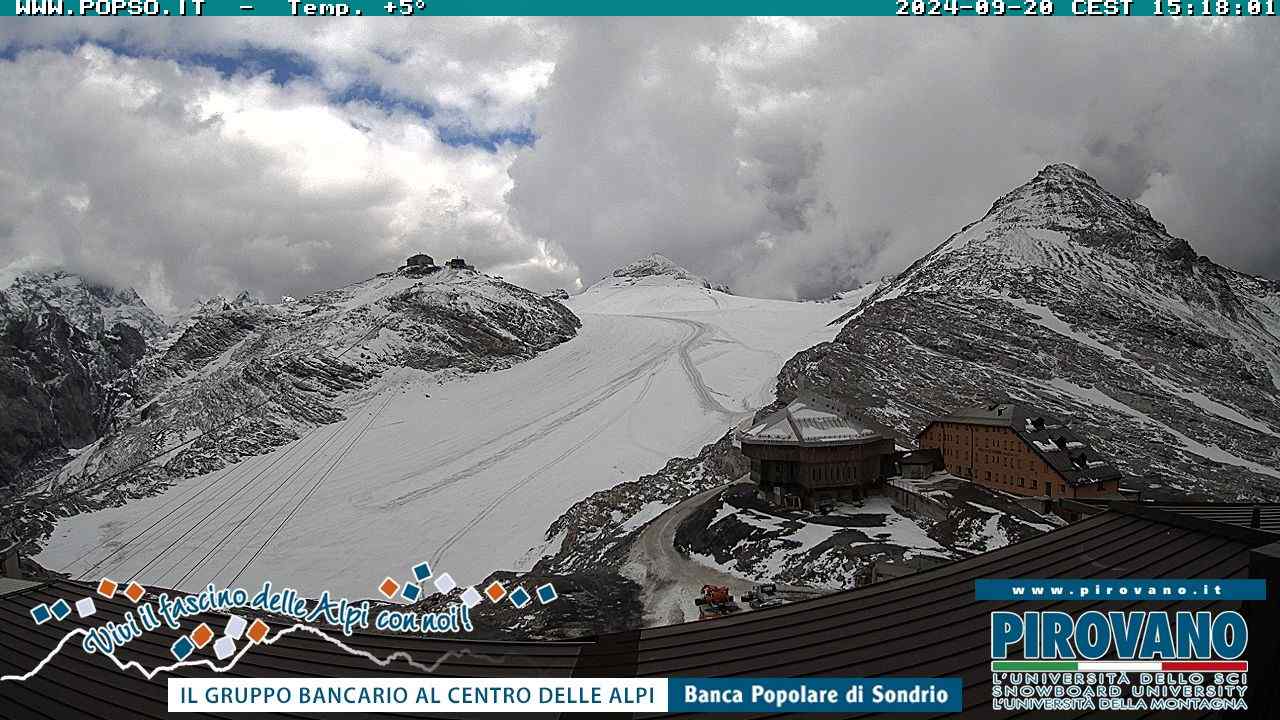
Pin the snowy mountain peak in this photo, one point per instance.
(653, 264)
(90, 307)
(661, 269)
(1062, 197)
(1071, 298)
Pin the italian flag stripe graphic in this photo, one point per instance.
(1119, 666)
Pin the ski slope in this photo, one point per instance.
(466, 473)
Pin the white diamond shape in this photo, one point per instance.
(235, 627)
(445, 583)
(470, 597)
(85, 607)
(224, 647)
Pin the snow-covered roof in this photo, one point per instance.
(810, 420)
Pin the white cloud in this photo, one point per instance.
(187, 183)
(790, 157)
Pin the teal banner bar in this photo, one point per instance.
(54, 9)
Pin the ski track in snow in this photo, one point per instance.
(467, 474)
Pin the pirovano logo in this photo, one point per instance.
(1122, 660)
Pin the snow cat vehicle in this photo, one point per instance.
(716, 602)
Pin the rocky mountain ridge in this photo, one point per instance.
(1066, 296)
(90, 306)
(241, 378)
(69, 349)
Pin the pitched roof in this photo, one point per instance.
(811, 421)
(926, 624)
(1264, 517)
(1065, 451)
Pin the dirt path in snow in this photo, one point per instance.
(671, 579)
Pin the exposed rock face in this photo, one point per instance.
(91, 307)
(1070, 298)
(239, 378)
(67, 351)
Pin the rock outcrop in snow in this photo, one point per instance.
(1068, 297)
(658, 268)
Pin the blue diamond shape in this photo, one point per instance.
(520, 597)
(182, 648)
(60, 609)
(411, 592)
(422, 571)
(41, 614)
(546, 593)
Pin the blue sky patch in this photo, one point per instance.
(462, 136)
(382, 99)
(284, 66)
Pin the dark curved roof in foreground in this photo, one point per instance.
(927, 624)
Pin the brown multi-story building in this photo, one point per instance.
(1020, 450)
(814, 452)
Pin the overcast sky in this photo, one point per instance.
(789, 158)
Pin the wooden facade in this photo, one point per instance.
(997, 457)
(810, 477)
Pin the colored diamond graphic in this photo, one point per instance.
(495, 591)
(60, 609)
(182, 648)
(470, 597)
(411, 592)
(547, 593)
(134, 592)
(202, 635)
(85, 607)
(520, 597)
(388, 588)
(422, 572)
(107, 588)
(41, 614)
(445, 583)
(258, 630)
(224, 648)
(235, 627)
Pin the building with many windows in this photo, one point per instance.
(1020, 450)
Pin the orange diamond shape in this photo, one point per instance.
(202, 635)
(258, 630)
(389, 588)
(107, 588)
(134, 592)
(495, 591)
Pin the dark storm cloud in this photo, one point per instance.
(788, 157)
(793, 158)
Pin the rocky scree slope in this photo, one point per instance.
(1070, 298)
